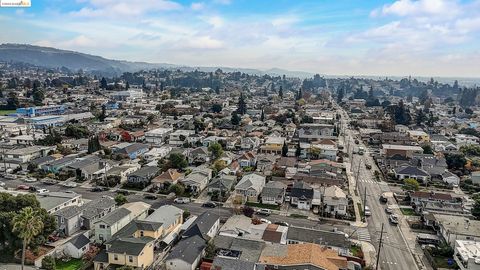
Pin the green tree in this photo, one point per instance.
(427, 149)
(216, 108)
(476, 209)
(94, 145)
(298, 151)
(210, 250)
(178, 161)
(262, 116)
(242, 105)
(216, 149)
(178, 189)
(235, 120)
(284, 150)
(48, 263)
(185, 215)
(280, 91)
(27, 224)
(411, 184)
(120, 199)
(455, 160)
(103, 83)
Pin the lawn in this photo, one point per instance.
(408, 212)
(261, 205)
(5, 112)
(73, 264)
(442, 262)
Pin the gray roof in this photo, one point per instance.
(69, 211)
(131, 246)
(202, 225)
(115, 216)
(132, 148)
(223, 182)
(307, 235)
(137, 225)
(226, 263)
(273, 189)
(42, 160)
(79, 241)
(80, 164)
(166, 214)
(250, 249)
(95, 207)
(188, 249)
(102, 256)
(411, 170)
(146, 171)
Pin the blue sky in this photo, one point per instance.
(342, 37)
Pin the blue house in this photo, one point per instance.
(40, 111)
(111, 105)
(132, 150)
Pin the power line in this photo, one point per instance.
(379, 248)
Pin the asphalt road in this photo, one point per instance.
(394, 253)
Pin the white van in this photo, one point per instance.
(367, 211)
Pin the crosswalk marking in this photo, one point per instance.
(367, 181)
(363, 235)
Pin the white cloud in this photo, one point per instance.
(215, 21)
(124, 8)
(419, 7)
(223, 2)
(203, 42)
(197, 5)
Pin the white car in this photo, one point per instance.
(393, 219)
(265, 212)
(389, 210)
(367, 211)
(70, 184)
(42, 190)
(263, 220)
(181, 200)
(30, 180)
(2, 184)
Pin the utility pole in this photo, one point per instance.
(379, 248)
(364, 202)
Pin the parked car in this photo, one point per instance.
(181, 200)
(50, 181)
(264, 212)
(383, 198)
(70, 184)
(393, 219)
(10, 176)
(263, 220)
(150, 197)
(282, 223)
(96, 189)
(209, 204)
(357, 142)
(23, 187)
(389, 210)
(30, 180)
(368, 166)
(42, 190)
(367, 211)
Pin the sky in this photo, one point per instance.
(334, 37)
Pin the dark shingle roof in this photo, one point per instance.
(202, 225)
(188, 249)
(308, 235)
(69, 211)
(115, 216)
(95, 207)
(130, 245)
(79, 241)
(411, 170)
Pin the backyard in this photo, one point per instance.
(73, 264)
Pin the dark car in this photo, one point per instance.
(123, 192)
(150, 197)
(282, 223)
(368, 166)
(357, 142)
(209, 205)
(383, 199)
(96, 189)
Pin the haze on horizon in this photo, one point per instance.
(386, 38)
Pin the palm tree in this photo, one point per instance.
(28, 224)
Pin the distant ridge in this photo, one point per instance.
(56, 58)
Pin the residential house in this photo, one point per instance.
(249, 143)
(433, 165)
(236, 253)
(113, 222)
(406, 151)
(180, 136)
(197, 180)
(300, 256)
(309, 132)
(95, 209)
(475, 176)
(249, 187)
(420, 198)
(273, 193)
(273, 145)
(69, 220)
(131, 251)
(143, 175)
(301, 195)
(453, 228)
(414, 172)
(222, 183)
(55, 201)
(248, 159)
(186, 254)
(419, 136)
(168, 177)
(131, 150)
(326, 149)
(206, 226)
(335, 201)
(123, 171)
(76, 247)
(466, 254)
(464, 139)
(335, 240)
(157, 136)
(198, 155)
(169, 216)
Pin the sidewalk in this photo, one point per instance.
(369, 252)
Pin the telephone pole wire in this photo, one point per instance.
(379, 248)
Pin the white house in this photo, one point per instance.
(77, 246)
(335, 201)
(249, 187)
(157, 136)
